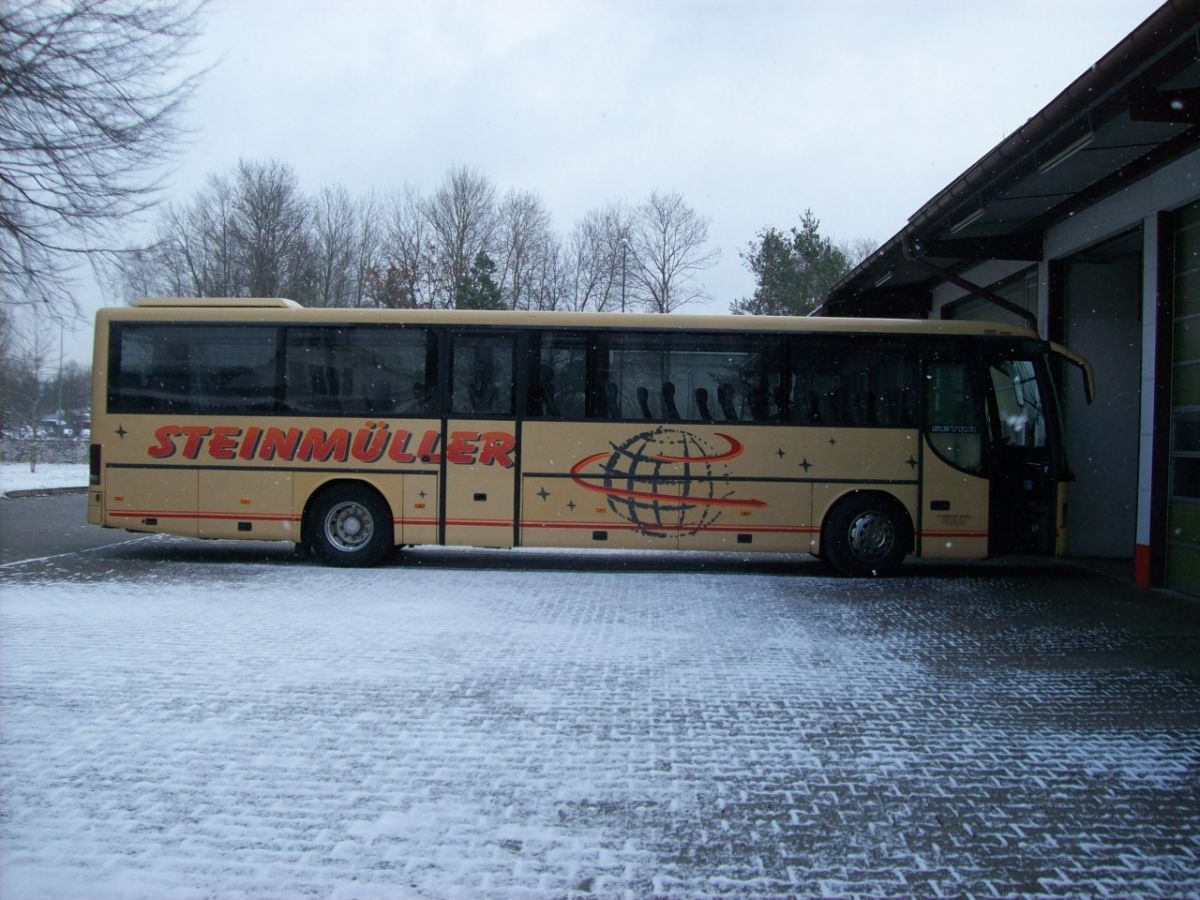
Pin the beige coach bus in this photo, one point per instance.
(351, 432)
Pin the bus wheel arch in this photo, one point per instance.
(347, 523)
(866, 534)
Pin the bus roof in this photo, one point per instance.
(279, 309)
(224, 302)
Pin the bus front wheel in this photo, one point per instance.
(867, 535)
(349, 525)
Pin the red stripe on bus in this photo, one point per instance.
(240, 517)
(970, 534)
(624, 526)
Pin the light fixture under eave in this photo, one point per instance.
(1066, 152)
(969, 220)
(884, 279)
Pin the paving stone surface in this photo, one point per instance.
(203, 720)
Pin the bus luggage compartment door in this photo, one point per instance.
(152, 498)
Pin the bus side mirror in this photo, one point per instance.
(1085, 368)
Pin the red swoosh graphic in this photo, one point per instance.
(735, 450)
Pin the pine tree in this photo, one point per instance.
(793, 271)
(478, 289)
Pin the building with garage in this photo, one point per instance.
(1085, 223)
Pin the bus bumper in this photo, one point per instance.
(95, 507)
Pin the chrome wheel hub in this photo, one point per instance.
(871, 536)
(349, 526)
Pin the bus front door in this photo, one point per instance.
(1023, 462)
(479, 442)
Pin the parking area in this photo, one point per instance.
(216, 719)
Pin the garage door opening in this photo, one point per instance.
(1101, 303)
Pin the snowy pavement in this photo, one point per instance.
(184, 719)
(23, 477)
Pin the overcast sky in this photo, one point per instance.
(752, 110)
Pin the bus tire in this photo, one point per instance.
(349, 525)
(867, 535)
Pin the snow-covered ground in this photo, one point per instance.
(184, 719)
(18, 477)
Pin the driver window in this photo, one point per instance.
(1019, 404)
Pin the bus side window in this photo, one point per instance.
(636, 361)
(860, 385)
(481, 375)
(144, 372)
(609, 401)
(818, 396)
(706, 373)
(233, 369)
(679, 377)
(193, 368)
(953, 408)
(356, 370)
(557, 376)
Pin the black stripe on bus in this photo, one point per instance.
(746, 479)
(266, 468)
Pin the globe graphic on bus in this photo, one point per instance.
(665, 482)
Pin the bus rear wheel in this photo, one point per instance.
(867, 535)
(349, 525)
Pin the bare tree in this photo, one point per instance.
(208, 240)
(195, 252)
(334, 248)
(27, 357)
(145, 272)
(524, 241)
(668, 245)
(87, 117)
(369, 223)
(600, 260)
(8, 369)
(404, 277)
(857, 249)
(254, 233)
(345, 244)
(462, 218)
(270, 222)
(552, 280)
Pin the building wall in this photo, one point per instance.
(1103, 303)
(1136, 205)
